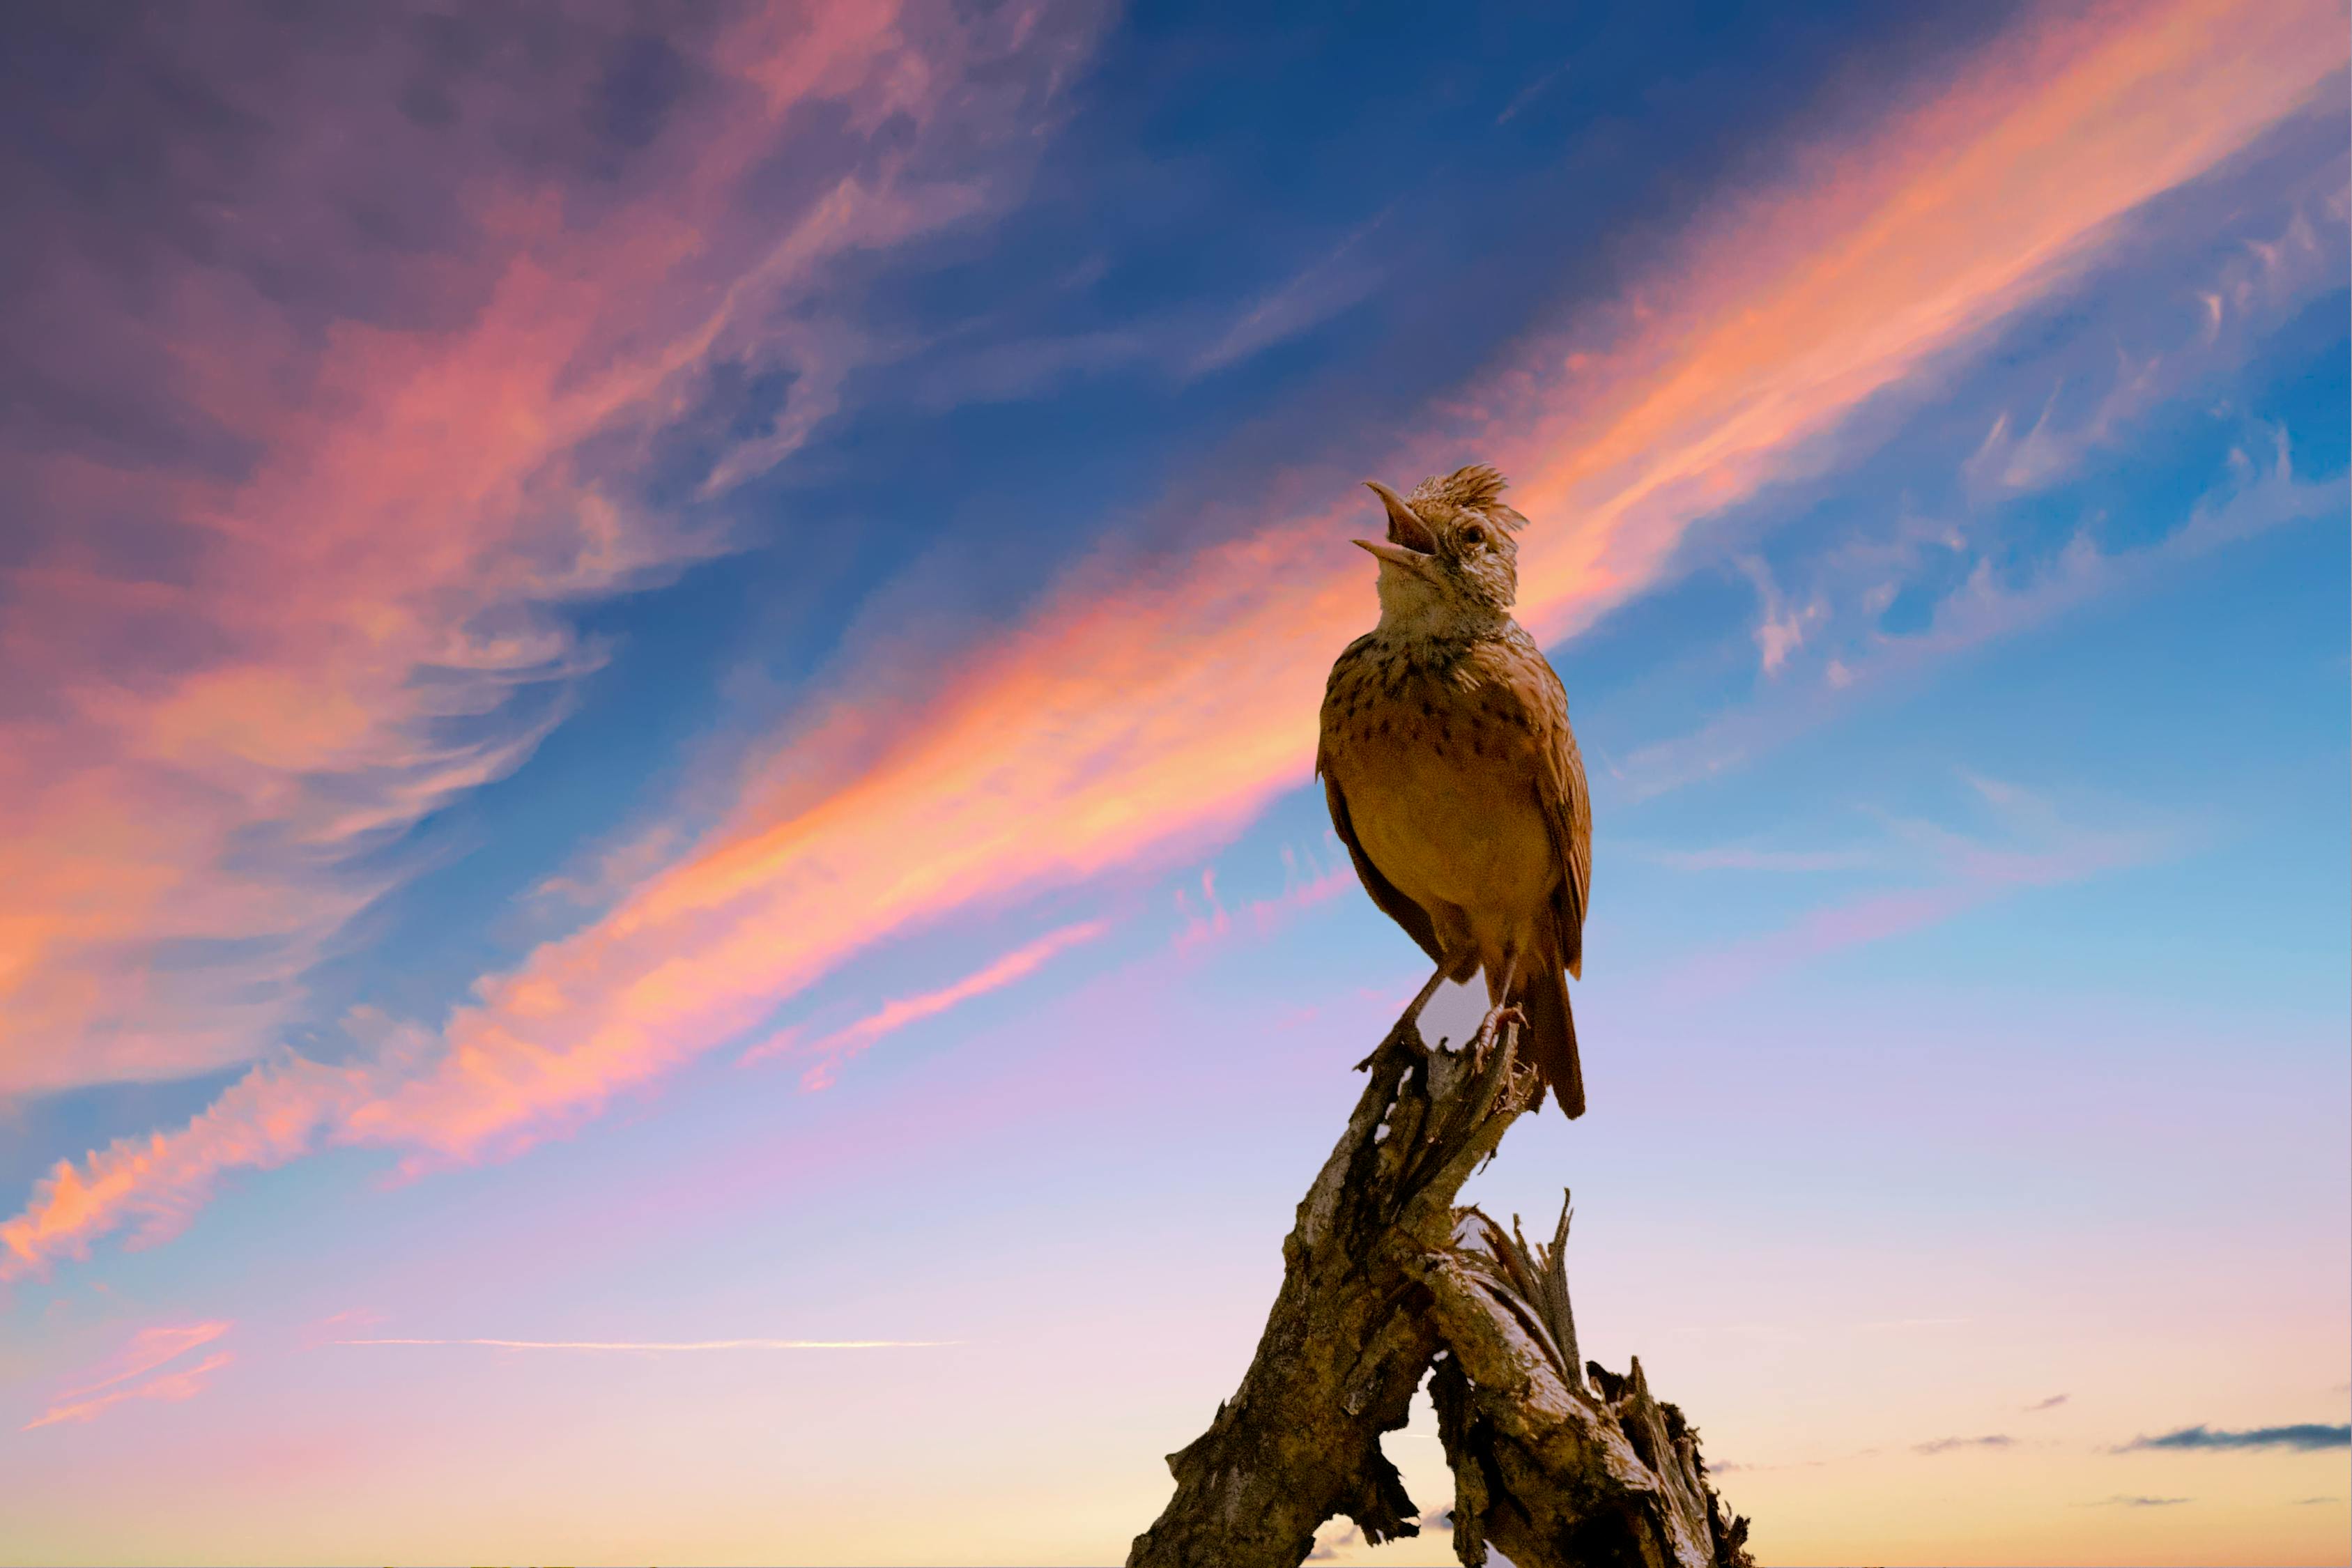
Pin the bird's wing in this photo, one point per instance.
(1395, 904)
(1560, 790)
(1392, 902)
(1568, 806)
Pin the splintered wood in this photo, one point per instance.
(1556, 1463)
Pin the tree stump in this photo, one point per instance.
(1383, 1279)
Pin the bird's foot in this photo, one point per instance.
(1490, 1030)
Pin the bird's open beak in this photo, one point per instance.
(1412, 560)
(1405, 526)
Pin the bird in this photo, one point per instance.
(1451, 771)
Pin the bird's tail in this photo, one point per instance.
(1549, 1041)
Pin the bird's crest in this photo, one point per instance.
(1478, 487)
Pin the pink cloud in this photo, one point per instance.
(295, 657)
(839, 1048)
(148, 1349)
(1130, 719)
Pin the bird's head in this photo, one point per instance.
(1449, 565)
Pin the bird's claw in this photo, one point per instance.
(1490, 1030)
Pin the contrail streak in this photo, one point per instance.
(672, 1345)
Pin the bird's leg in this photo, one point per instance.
(1500, 1012)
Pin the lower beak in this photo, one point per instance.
(1412, 560)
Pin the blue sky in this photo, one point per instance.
(661, 669)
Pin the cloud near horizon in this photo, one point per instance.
(1132, 717)
(1952, 1444)
(671, 1344)
(2307, 1437)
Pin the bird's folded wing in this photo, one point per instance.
(1567, 811)
(1524, 682)
(1393, 903)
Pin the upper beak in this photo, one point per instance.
(1405, 526)
(1412, 560)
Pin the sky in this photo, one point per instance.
(657, 683)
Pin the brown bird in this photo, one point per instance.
(1451, 771)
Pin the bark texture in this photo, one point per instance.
(1383, 1279)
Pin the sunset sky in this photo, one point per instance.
(660, 897)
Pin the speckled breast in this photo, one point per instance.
(1436, 755)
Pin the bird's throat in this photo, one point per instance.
(1415, 610)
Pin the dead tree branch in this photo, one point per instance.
(1382, 1278)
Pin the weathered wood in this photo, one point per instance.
(1383, 1277)
(1557, 1473)
(1349, 1338)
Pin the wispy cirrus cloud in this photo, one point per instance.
(2030, 843)
(2261, 493)
(2125, 1500)
(844, 1045)
(1954, 1445)
(1306, 880)
(1823, 630)
(305, 491)
(119, 1380)
(1136, 714)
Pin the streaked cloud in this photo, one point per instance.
(1953, 1445)
(2124, 1500)
(244, 662)
(151, 1348)
(118, 1381)
(2029, 842)
(844, 1045)
(2052, 1402)
(670, 1345)
(1136, 716)
(1338, 279)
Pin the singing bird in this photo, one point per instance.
(1451, 771)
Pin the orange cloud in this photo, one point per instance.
(844, 1044)
(148, 1349)
(1895, 250)
(1134, 717)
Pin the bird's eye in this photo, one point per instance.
(1473, 536)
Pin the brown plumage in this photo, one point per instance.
(1451, 770)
